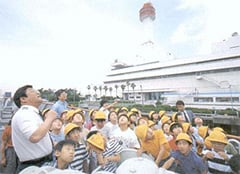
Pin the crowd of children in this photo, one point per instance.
(180, 142)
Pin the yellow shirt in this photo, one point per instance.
(153, 146)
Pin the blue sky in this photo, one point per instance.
(72, 43)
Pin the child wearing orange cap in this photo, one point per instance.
(188, 161)
(217, 158)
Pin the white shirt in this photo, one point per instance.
(128, 138)
(25, 121)
(111, 127)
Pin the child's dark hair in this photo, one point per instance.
(91, 133)
(60, 144)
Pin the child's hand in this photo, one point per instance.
(139, 152)
(209, 155)
(223, 155)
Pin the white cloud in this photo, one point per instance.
(217, 20)
(74, 46)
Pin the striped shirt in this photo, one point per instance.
(114, 147)
(80, 155)
(218, 165)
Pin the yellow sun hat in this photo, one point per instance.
(162, 113)
(165, 119)
(124, 109)
(217, 136)
(218, 129)
(79, 111)
(141, 131)
(100, 115)
(129, 114)
(174, 116)
(63, 112)
(185, 127)
(151, 113)
(207, 143)
(134, 110)
(150, 123)
(69, 127)
(45, 111)
(96, 140)
(69, 114)
(202, 131)
(91, 112)
(183, 136)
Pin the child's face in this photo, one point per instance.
(149, 134)
(142, 121)
(113, 116)
(75, 135)
(184, 147)
(64, 116)
(217, 146)
(166, 128)
(66, 154)
(133, 119)
(155, 116)
(77, 119)
(56, 125)
(123, 120)
(176, 131)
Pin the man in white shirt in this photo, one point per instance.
(30, 136)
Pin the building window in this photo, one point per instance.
(203, 99)
(227, 99)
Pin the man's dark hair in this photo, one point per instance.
(180, 102)
(59, 92)
(21, 92)
(60, 144)
(91, 133)
(234, 163)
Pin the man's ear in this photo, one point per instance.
(23, 100)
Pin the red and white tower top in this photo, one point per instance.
(147, 11)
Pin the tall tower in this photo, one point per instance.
(147, 15)
(147, 52)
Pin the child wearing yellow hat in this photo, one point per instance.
(107, 152)
(80, 163)
(188, 161)
(217, 158)
(153, 142)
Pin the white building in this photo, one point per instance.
(209, 81)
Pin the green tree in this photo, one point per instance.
(116, 87)
(110, 90)
(133, 85)
(123, 88)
